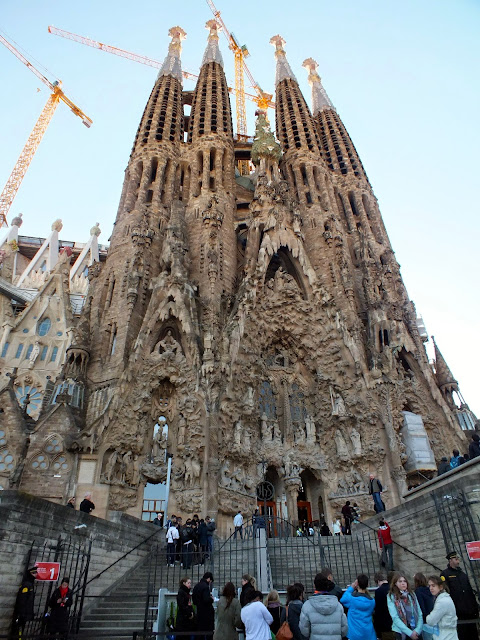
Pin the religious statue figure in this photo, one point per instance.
(299, 434)
(159, 444)
(267, 433)
(237, 434)
(110, 467)
(136, 470)
(168, 345)
(192, 471)
(338, 404)
(127, 467)
(35, 352)
(225, 479)
(342, 450)
(356, 442)
(182, 424)
(310, 428)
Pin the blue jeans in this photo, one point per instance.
(387, 556)
(209, 544)
(378, 501)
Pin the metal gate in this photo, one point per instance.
(74, 559)
(458, 527)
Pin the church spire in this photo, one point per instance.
(212, 52)
(284, 70)
(210, 112)
(320, 99)
(337, 147)
(442, 371)
(172, 65)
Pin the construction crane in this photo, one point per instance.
(129, 55)
(263, 100)
(14, 181)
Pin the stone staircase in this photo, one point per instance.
(299, 559)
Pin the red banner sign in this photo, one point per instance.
(48, 571)
(473, 550)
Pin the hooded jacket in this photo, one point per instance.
(360, 609)
(444, 615)
(322, 617)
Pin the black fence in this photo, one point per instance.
(74, 559)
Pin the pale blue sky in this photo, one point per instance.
(403, 76)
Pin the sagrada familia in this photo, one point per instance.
(240, 329)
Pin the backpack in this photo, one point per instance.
(454, 462)
(284, 633)
(187, 534)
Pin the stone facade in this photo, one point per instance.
(262, 317)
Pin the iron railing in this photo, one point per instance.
(74, 559)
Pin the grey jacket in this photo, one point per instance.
(322, 618)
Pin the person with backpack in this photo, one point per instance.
(172, 537)
(455, 459)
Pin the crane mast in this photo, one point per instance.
(14, 181)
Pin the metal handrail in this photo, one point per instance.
(405, 549)
(126, 554)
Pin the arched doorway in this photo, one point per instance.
(310, 505)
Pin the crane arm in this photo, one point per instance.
(28, 64)
(115, 50)
(14, 181)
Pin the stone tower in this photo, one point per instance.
(263, 318)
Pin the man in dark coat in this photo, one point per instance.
(474, 446)
(462, 595)
(202, 540)
(211, 526)
(333, 588)
(382, 621)
(86, 504)
(203, 600)
(24, 604)
(444, 466)
(348, 517)
(60, 603)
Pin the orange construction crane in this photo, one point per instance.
(129, 55)
(263, 100)
(14, 181)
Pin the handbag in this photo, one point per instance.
(284, 633)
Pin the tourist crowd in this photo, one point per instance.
(456, 459)
(429, 608)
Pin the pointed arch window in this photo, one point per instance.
(43, 355)
(28, 351)
(296, 400)
(53, 357)
(19, 350)
(266, 401)
(5, 349)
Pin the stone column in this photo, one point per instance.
(292, 485)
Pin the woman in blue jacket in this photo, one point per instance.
(407, 617)
(360, 607)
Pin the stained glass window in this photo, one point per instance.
(266, 401)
